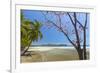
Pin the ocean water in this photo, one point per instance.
(60, 46)
(48, 48)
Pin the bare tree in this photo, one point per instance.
(77, 28)
(84, 36)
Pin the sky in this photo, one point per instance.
(52, 35)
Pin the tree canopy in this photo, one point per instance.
(30, 32)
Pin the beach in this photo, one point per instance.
(45, 54)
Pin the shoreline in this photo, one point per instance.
(46, 48)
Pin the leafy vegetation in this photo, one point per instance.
(30, 32)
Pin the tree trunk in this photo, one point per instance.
(84, 45)
(26, 49)
(80, 53)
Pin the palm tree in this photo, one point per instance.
(24, 36)
(30, 31)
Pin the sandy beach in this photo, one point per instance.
(45, 54)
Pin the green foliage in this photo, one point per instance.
(30, 31)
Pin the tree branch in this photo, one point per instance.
(85, 21)
(70, 18)
(63, 33)
(76, 30)
(79, 23)
(60, 28)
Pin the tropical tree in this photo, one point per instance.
(30, 32)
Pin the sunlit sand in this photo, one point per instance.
(45, 54)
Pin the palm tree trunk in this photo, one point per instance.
(27, 48)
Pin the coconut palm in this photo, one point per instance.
(24, 36)
(30, 32)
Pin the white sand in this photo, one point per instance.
(44, 54)
(47, 48)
